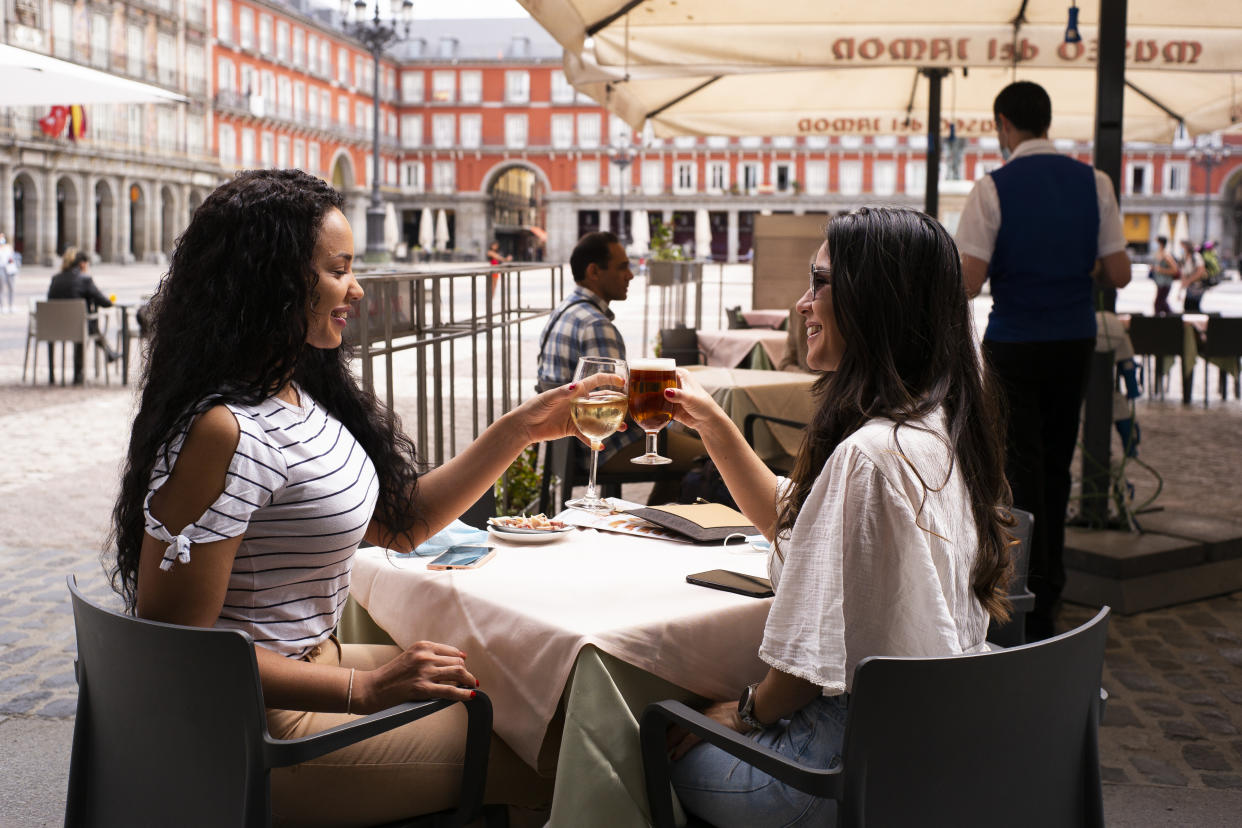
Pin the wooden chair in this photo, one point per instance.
(171, 728)
(67, 322)
(974, 741)
(1162, 338)
(1222, 342)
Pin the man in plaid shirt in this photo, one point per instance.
(582, 324)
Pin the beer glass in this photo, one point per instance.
(648, 405)
(598, 409)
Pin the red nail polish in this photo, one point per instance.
(473, 694)
(477, 683)
(668, 392)
(572, 386)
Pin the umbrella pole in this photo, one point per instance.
(931, 198)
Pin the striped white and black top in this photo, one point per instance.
(300, 490)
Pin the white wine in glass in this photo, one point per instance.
(598, 409)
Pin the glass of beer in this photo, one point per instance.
(598, 409)
(648, 405)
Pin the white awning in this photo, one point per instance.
(32, 79)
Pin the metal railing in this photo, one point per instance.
(426, 328)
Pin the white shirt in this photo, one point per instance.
(876, 565)
(981, 217)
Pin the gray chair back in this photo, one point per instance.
(61, 320)
(959, 741)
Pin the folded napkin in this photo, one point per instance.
(456, 533)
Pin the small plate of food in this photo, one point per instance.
(524, 529)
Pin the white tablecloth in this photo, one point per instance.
(731, 347)
(524, 616)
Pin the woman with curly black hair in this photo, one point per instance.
(890, 538)
(257, 464)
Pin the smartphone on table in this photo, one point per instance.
(730, 581)
(462, 557)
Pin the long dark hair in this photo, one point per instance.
(230, 319)
(900, 305)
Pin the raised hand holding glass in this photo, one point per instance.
(598, 409)
(649, 378)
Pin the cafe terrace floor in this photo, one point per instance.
(1171, 749)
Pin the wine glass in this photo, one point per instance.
(648, 406)
(598, 409)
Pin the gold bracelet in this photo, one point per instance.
(349, 696)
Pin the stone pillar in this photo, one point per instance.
(605, 220)
(666, 216)
(155, 221)
(471, 228)
(121, 223)
(48, 240)
(86, 214)
(562, 230)
(7, 223)
(731, 243)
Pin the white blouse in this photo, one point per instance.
(875, 565)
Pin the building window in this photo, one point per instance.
(443, 87)
(412, 86)
(265, 34)
(325, 106)
(588, 130)
(685, 142)
(717, 177)
(390, 173)
(782, 176)
(282, 153)
(362, 116)
(267, 150)
(411, 131)
(325, 57)
(226, 80)
(245, 27)
(620, 179)
(194, 134)
(444, 177)
(472, 87)
(916, 177)
(517, 86)
(342, 111)
(851, 141)
(619, 133)
(299, 100)
(135, 51)
(817, 177)
(312, 157)
(683, 177)
(653, 177)
(312, 54)
(851, 177)
(718, 141)
(562, 91)
(884, 141)
(412, 177)
(284, 98)
(515, 131)
(360, 73)
(750, 177)
(269, 89)
(471, 127)
(783, 142)
(312, 107)
(1138, 178)
(884, 177)
(247, 148)
(442, 130)
(101, 38)
(448, 48)
(342, 66)
(817, 142)
(562, 131)
(1176, 178)
(299, 154)
(224, 20)
(282, 41)
(228, 144)
(299, 48)
(588, 177)
(750, 142)
(194, 78)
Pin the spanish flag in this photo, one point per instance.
(77, 122)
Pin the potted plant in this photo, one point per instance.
(517, 490)
(668, 265)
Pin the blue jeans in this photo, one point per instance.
(725, 791)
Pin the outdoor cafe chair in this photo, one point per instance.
(65, 321)
(1223, 342)
(1161, 337)
(1008, 737)
(171, 729)
(1013, 632)
(736, 320)
(681, 345)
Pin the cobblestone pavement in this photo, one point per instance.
(1174, 675)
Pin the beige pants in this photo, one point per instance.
(410, 770)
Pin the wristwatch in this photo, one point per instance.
(746, 707)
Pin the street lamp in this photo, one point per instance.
(622, 156)
(1208, 157)
(376, 35)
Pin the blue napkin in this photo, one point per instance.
(455, 534)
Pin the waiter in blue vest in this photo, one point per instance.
(1041, 228)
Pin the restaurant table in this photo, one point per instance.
(572, 639)
(774, 318)
(759, 348)
(784, 394)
